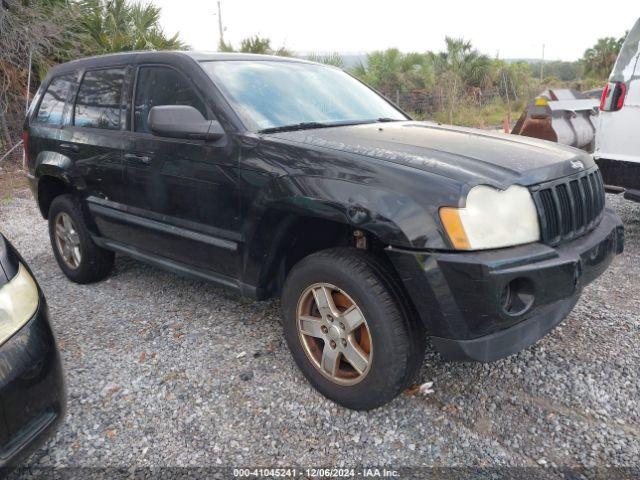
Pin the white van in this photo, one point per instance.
(617, 150)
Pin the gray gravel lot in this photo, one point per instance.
(154, 378)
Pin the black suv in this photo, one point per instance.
(275, 176)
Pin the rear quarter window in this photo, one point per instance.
(99, 99)
(54, 100)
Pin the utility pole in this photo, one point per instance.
(541, 63)
(221, 30)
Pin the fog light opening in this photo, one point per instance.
(517, 296)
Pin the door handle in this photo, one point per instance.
(134, 157)
(69, 147)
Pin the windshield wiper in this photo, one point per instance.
(311, 125)
(295, 126)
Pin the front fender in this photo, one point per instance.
(394, 218)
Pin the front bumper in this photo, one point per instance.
(32, 393)
(460, 296)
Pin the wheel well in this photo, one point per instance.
(48, 189)
(307, 235)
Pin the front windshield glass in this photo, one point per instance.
(271, 94)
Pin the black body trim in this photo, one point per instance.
(178, 268)
(101, 208)
(619, 173)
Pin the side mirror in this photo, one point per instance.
(183, 121)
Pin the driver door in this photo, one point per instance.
(182, 194)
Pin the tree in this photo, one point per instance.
(108, 26)
(598, 60)
(255, 44)
(53, 31)
(391, 70)
(464, 61)
(33, 34)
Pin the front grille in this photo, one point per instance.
(569, 207)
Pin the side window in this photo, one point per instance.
(158, 86)
(99, 99)
(51, 108)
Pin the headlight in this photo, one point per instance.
(492, 219)
(18, 303)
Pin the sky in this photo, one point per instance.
(508, 29)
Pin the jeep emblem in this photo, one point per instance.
(577, 164)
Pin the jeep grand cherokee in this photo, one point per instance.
(276, 176)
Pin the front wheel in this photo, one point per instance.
(347, 329)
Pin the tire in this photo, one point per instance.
(394, 339)
(87, 263)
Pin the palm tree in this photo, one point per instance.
(598, 60)
(464, 61)
(256, 44)
(391, 70)
(108, 26)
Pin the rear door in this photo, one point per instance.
(95, 141)
(182, 194)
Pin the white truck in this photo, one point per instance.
(617, 149)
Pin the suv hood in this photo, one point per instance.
(467, 155)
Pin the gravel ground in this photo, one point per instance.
(167, 371)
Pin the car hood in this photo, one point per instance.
(464, 154)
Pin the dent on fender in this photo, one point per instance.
(381, 198)
(58, 166)
(54, 164)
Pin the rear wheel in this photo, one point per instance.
(81, 260)
(347, 329)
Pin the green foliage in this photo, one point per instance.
(390, 70)
(255, 44)
(598, 61)
(463, 61)
(565, 71)
(469, 114)
(109, 26)
(334, 59)
(224, 46)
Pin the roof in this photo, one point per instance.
(125, 57)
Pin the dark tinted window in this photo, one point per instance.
(99, 99)
(52, 106)
(162, 86)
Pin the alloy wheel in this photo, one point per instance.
(67, 240)
(334, 334)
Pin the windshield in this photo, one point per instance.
(272, 94)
